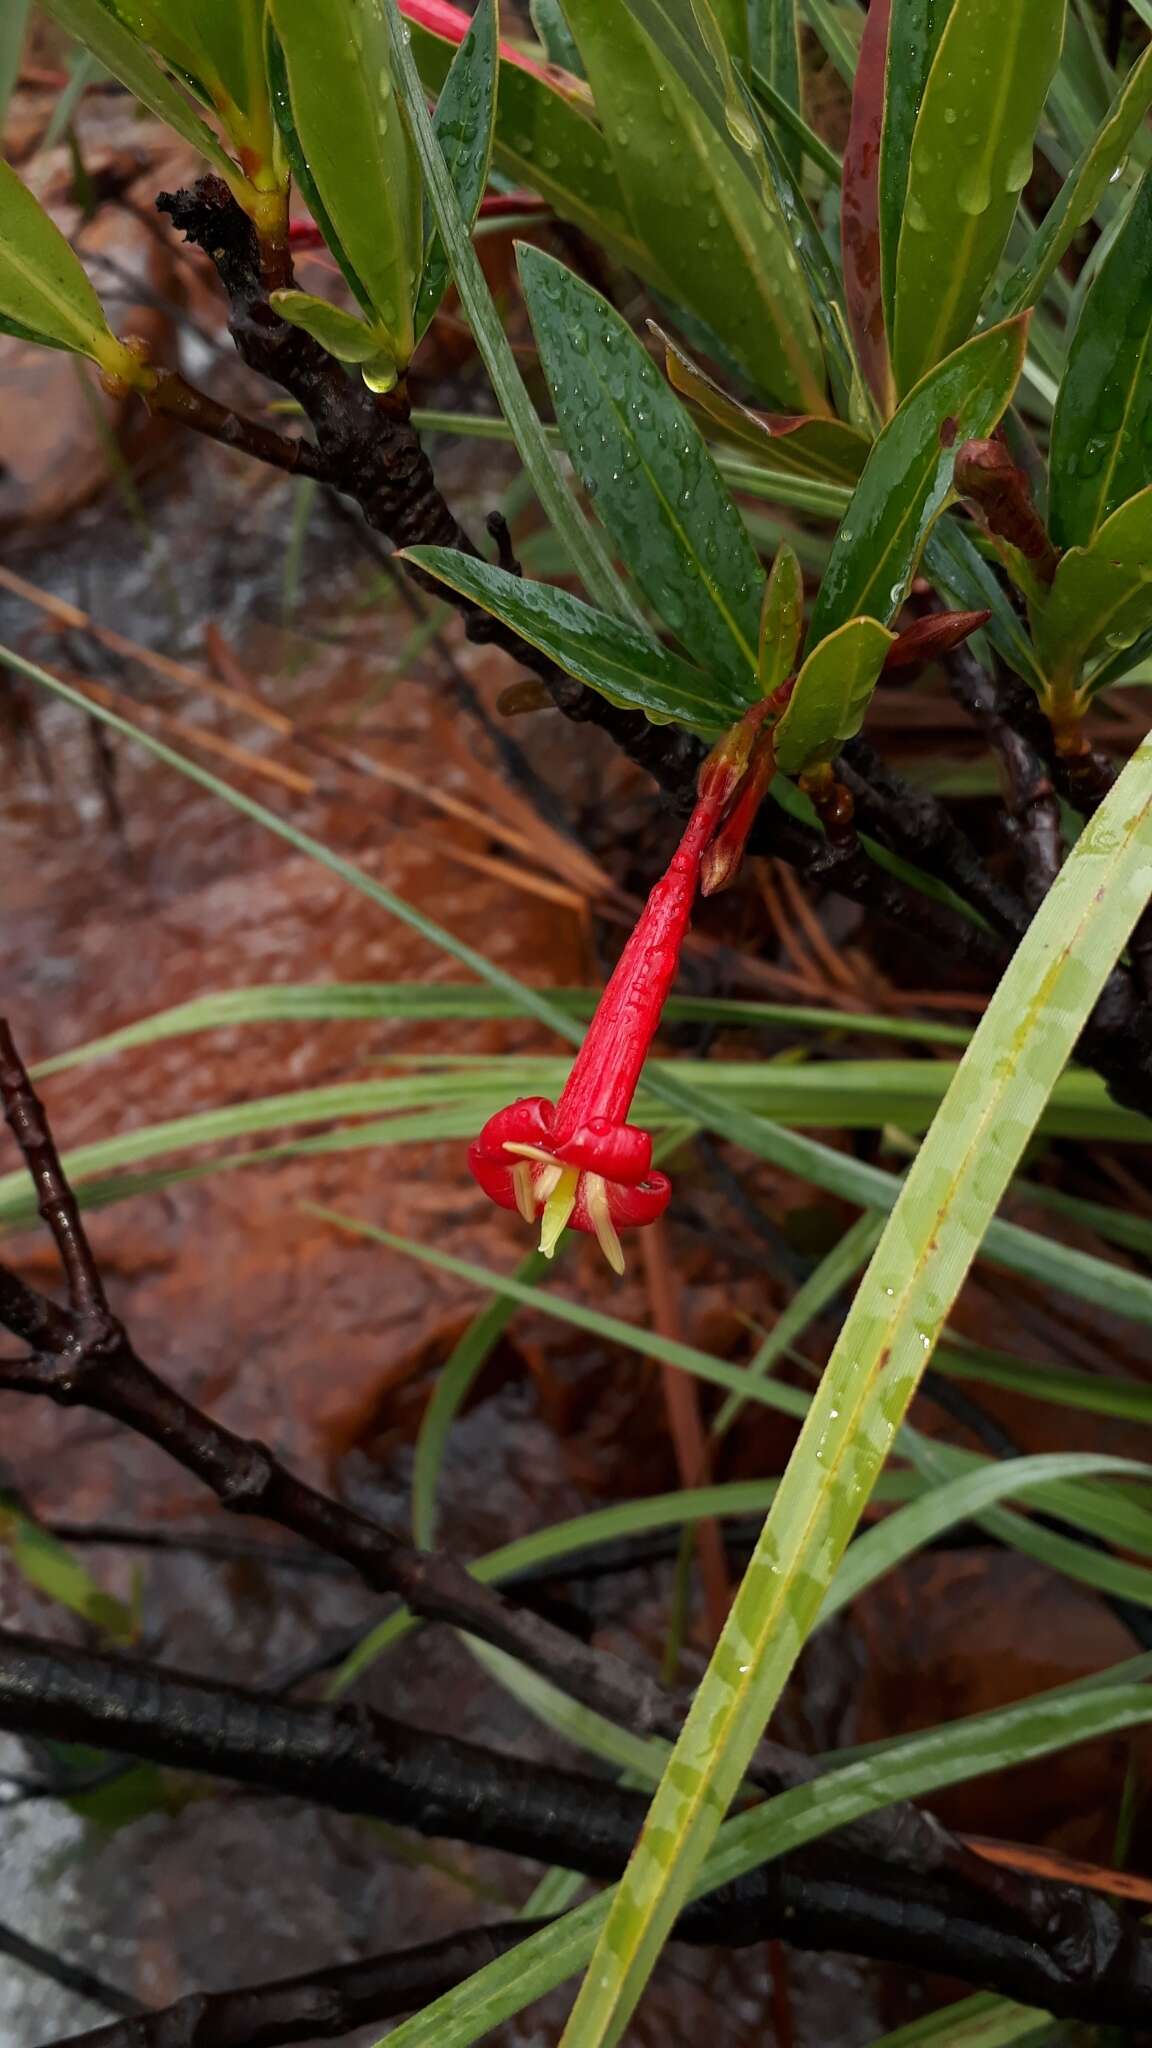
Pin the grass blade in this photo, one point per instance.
(960, 1175)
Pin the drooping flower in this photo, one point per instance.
(578, 1163)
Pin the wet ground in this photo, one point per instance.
(126, 890)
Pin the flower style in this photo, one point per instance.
(578, 1163)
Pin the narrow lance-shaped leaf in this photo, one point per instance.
(464, 123)
(908, 479)
(558, 501)
(954, 1186)
(916, 29)
(45, 294)
(831, 695)
(774, 52)
(694, 204)
(971, 157)
(605, 653)
(545, 136)
(781, 621)
(655, 486)
(1082, 190)
(355, 141)
(860, 209)
(1102, 430)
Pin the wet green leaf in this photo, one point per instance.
(1102, 430)
(546, 141)
(806, 446)
(341, 333)
(45, 294)
(655, 486)
(695, 201)
(831, 695)
(907, 479)
(1081, 192)
(781, 621)
(774, 53)
(915, 30)
(970, 158)
(124, 55)
(557, 499)
(354, 138)
(465, 123)
(605, 653)
(1101, 599)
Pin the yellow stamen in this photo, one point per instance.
(596, 1197)
(528, 1152)
(522, 1183)
(549, 1179)
(557, 1209)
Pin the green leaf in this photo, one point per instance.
(980, 2022)
(341, 333)
(44, 290)
(915, 31)
(953, 1189)
(1102, 430)
(554, 34)
(13, 29)
(789, 123)
(354, 138)
(781, 621)
(583, 545)
(548, 141)
(694, 202)
(231, 32)
(464, 122)
(605, 653)
(808, 446)
(970, 158)
(1081, 192)
(774, 54)
(307, 1002)
(831, 695)
(638, 455)
(101, 31)
(946, 1506)
(49, 1566)
(1101, 598)
(907, 478)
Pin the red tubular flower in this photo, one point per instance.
(578, 1162)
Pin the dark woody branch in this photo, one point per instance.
(317, 2005)
(1080, 1956)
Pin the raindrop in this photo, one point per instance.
(973, 192)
